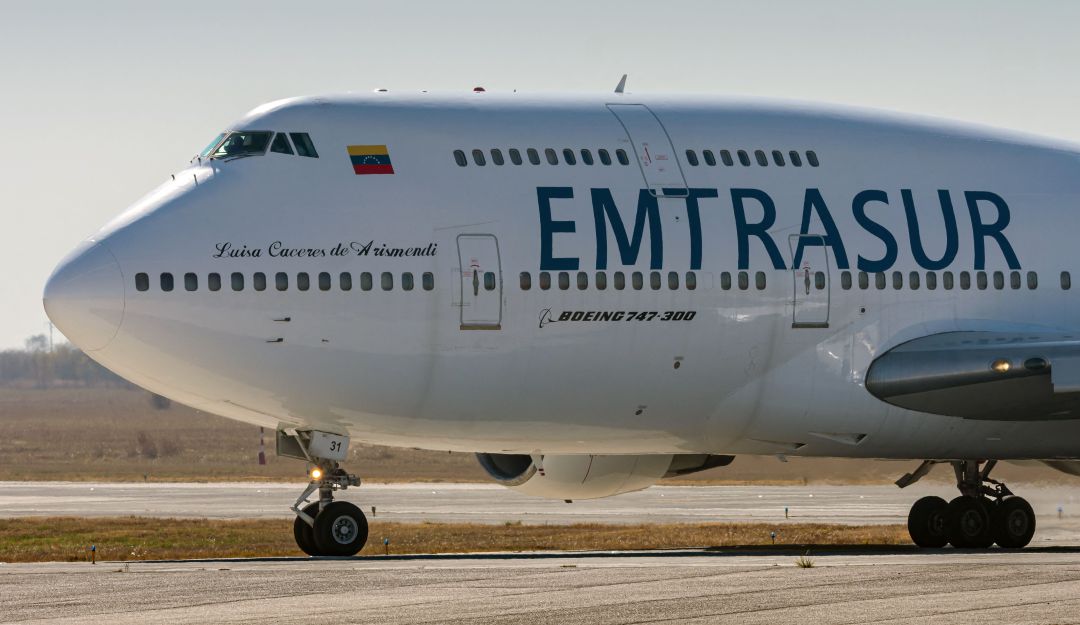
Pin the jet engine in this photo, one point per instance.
(590, 476)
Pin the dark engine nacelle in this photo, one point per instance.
(590, 476)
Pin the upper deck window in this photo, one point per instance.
(304, 146)
(243, 143)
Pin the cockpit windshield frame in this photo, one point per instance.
(241, 143)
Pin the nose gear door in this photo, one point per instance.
(481, 282)
(810, 274)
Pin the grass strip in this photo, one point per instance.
(68, 539)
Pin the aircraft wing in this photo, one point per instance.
(982, 375)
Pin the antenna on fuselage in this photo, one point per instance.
(621, 87)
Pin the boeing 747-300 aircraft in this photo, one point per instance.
(594, 292)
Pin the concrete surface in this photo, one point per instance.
(489, 503)
(897, 586)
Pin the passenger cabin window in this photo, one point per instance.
(324, 281)
(303, 281)
(281, 144)
(1066, 281)
(568, 156)
(654, 280)
(281, 281)
(623, 158)
(601, 280)
(552, 157)
(1032, 280)
(428, 280)
(796, 160)
(811, 157)
(761, 158)
(778, 158)
(525, 279)
(459, 158)
(605, 157)
(691, 280)
(387, 281)
(710, 158)
(497, 156)
(304, 146)
(725, 156)
(691, 157)
(586, 157)
(213, 282)
(345, 281)
(237, 281)
(744, 158)
(407, 281)
(638, 280)
(515, 156)
(534, 156)
(142, 282)
(620, 280)
(243, 143)
(545, 280)
(582, 280)
(365, 281)
(166, 282)
(259, 281)
(478, 158)
(564, 280)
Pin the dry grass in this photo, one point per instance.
(104, 434)
(38, 539)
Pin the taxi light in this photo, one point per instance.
(1001, 365)
(316, 474)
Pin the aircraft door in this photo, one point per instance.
(810, 275)
(481, 282)
(653, 149)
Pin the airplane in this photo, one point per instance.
(594, 292)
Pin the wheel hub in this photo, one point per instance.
(344, 530)
(1017, 522)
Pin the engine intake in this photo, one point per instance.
(590, 476)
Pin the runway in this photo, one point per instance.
(488, 503)
(1033, 586)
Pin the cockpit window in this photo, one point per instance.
(281, 144)
(209, 149)
(243, 143)
(304, 146)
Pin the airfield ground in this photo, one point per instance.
(111, 434)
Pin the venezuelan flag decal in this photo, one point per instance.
(370, 159)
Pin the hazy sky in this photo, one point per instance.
(100, 101)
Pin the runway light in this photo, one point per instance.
(1001, 365)
(316, 474)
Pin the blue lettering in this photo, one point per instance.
(760, 230)
(858, 207)
(952, 240)
(549, 226)
(693, 220)
(629, 247)
(996, 230)
(815, 203)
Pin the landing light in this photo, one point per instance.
(1001, 365)
(316, 474)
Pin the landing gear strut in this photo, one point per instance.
(986, 512)
(325, 527)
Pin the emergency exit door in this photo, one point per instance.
(481, 282)
(653, 149)
(810, 275)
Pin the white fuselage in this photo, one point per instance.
(479, 365)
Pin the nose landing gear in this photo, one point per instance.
(986, 512)
(325, 527)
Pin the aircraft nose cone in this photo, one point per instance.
(84, 297)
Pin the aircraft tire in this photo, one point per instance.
(302, 532)
(1013, 522)
(967, 523)
(926, 522)
(341, 529)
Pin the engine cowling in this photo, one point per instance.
(590, 476)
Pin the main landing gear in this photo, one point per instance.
(986, 512)
(325, 527)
